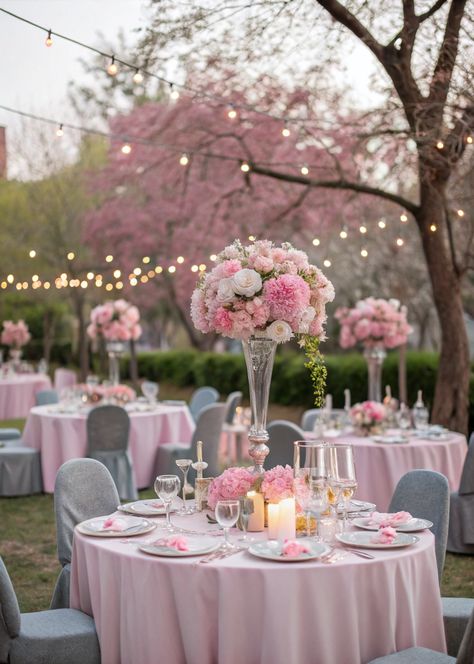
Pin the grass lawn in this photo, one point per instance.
(28, 538)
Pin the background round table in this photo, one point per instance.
(379, 466)
(244, 609)
(17, 394)
(62, 436)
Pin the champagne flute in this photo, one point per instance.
(343, 480)
(246, 509)
(167, 488)
(184, 466)
(227, 513)
(318, 502)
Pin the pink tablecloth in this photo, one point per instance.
(62, 436)
(379, 466)
(17, 394)
(244, 609)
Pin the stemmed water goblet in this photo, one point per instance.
(150, 391)
(310, 462)
(167, 488)
(342, 476)
(246, 509)
(227, 512)
(184, 465)
(318, 501)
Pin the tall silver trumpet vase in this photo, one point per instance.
(259, 356)
(115, 350)
(375, 358)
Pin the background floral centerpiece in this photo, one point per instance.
(265, 294)
(15, 335)
(368, 417)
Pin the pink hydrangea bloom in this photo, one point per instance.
(278, 483)
(287, 296)
(232, 484)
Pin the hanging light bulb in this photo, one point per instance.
(232, 113)
(363, 229)
(343, 234)
(285, 132)
(364, 253)
(126, 148)
(304, 170)
(316, 242)
(327, 263)
(433, 228)
(403, 218)
(400, 242)
(60, 131)
(460, 213)
(184, 159)
(32, 253)
(469, 140)
(137, 77)
(49, 40)
(174, 94)
(112, 69)
(382, 224)
(244, 167)
(440, 145)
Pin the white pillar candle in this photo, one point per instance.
(257, 518)
(328, 402)
(273, 520)
(347, 399)
(287, 519)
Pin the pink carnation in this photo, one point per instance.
(223, 321)
(231, 485)
(287, 296)
(278, 483)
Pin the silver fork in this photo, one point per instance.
(220, 555)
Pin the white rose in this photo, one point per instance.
(395, 303)
(306, 319)
(279, 331)
(225, 292)
(246, 282)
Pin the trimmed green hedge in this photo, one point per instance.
(291, 384)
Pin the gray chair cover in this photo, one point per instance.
(308, 418)
(461, 509)
(84, 489)
(282, 436)
(200, 398)
(425, 656)
(208, 429)
(425, 494)
(9, 434)
(233, 401)
(456, 614)
(45, 397)
(20, 470)
(108, 429)
(46, 637)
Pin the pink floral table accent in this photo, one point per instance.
(244, 609)
(17, 394)
(62, 436)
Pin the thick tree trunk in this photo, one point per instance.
(450, 406)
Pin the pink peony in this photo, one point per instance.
(278, 483)
(232, 484)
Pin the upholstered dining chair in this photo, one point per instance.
(20, 469)
(9, 434)
(461, 508)
(46, 397)
(282, 436)
(108, 429)
(64, 378)
(84, 489)
(200, 398)
(233, 400)
(426, 656)
(309, 417)
(208, 429)
(52, 637)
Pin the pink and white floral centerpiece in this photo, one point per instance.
(374, 323)
(263, 294)
(368, 417)
(15, 335)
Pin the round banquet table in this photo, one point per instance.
(62, 436)
(379, 466)
(245, 609)
(17, 394)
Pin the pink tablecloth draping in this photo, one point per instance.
(244, 609)
(62, 436)
(379, 466)
(17, 394)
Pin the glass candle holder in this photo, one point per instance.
(201, 487)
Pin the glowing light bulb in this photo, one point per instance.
(252, 238)
(133, 282)
(144, 279)
(364, 253)
(194, 268)
(362, 229)
(433, 228)
(440, 145)
(172, 269)
(180, 260)
(158, 269)
(232, 113)
(212, 257)
(146, 260)
(84, 283)
(34, 277)
(4, 284)
(49, 40)
(244, 167)
(60, 131)
(327, 263)
(184, 160)
(304, 170)
(400, 242)
(403, 218)
(202, 267)
(151, 274)
(117, 274)
(109, 258)
(137, 271)
(343, 234)
(460, 213)
(32, 253)
(126, 148)
(46, 285)
(71, 256)
(112, 69)
(10, 278)
(174, 94)
(316, 242)
(119, 285)
(90, 275)
(469, 140)
(109, 287)
(137, 77)
(381, 224)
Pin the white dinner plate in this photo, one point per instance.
(273, 551)
(133, 525)
(197, 546)
(145, 508)
(357, 506)
(173, 402)
(364, 540)
(411, 526)
(389, 440)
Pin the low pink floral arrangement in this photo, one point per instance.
(277, 484)
(368, 416)
(374, 323)
(115, 320)
(15, 335)
(120, 393)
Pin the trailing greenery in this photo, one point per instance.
(291, 382)
(317, 369)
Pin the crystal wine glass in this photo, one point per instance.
(342, 475)
(227, 513)
(246, 509)
(167, 488)
(310, 461)
(150, 391)
(184, 466)
(318, 501)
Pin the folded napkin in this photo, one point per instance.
(393, 519)
(292, 549)
(155, 504)
(385, 535)
(175, 542)
(115, 523)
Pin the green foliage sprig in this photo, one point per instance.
(317, 369)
